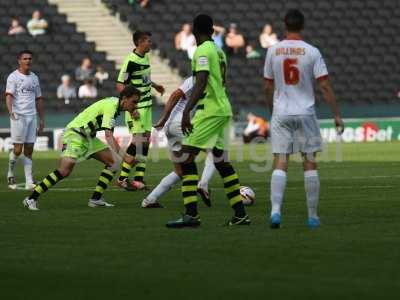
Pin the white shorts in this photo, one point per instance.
(292, 134)
(174, 134)
(23, 129)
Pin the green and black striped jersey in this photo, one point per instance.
(136, 71)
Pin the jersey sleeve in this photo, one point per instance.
(123, 75)
(320, 70)
(11, 86)
(201, 60)
(108, 116)
(38, 90)
(268, 71)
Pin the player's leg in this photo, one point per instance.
(64, 169)
(208, 172)
(282, 145)
(310, 143)
(190, 180)
(28, 150)
(12, 162)
(312, 188)
(30, 139)
(227, 172)
(166, 183)
(278, 186)
(142, 151)
(128, 161)
(143, 147)
(174, 135)
(18, 133)
(111, 167)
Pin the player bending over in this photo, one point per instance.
(171, 122)
(80, 143)
(290, 69)
(209, 129)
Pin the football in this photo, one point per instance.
(248, 196)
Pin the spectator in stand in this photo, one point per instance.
(185, 41)
(84, 71)
(66, 90)
(87, 90)
(101, 75)
(15, 27)
(37, 25)
(267, 37)
(251, 52)
(234, 41)
(218, 36)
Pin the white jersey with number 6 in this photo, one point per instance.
(293, 65)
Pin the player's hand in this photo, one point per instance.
(160, 89)
(186, 125)
(339, 125)
(41, 126)
(135, 115)
(160, 124)
(12, 116)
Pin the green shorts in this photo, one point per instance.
(143, 124)
(80, 148)
(209, 132)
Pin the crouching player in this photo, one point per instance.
(80, 143)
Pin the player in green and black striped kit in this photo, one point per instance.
(136, 71)
(80, 143)
(209, 127)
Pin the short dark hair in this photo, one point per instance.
(26, 51)
(203, 24)
(294, 20)
(138, 35)
(128, 91)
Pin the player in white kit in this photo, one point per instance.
(171, 120)
(291, 66)
(24, 102)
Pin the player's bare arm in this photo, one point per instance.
(158, 87)
(169, 106)
(269, 94)
(330, 98)
(40, 110)
(111, 141)
(198, 91)
(9, 101)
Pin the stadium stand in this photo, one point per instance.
(357, 38)
(56, 53)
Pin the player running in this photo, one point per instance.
(80, 143)
(24, 102)
(209, 129)
(171, 122)
(290, 69)
(136, 71)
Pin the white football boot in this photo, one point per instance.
(30, 204)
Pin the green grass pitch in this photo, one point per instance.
(70, 251)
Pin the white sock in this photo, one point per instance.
(208, 172)
(164, 186)
(11, 164)
(278, 185)
(311, 185)
(28, 170)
